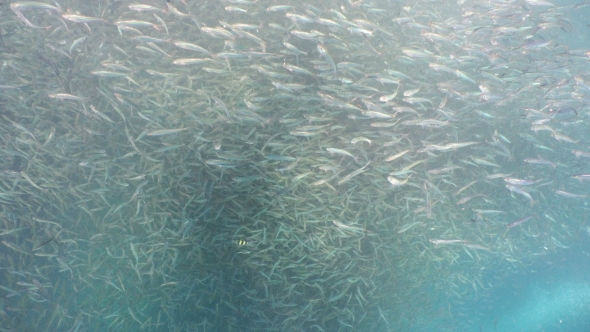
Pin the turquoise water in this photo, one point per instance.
(294, 166)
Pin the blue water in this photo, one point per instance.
(553, 296)
(551, 292)
(550, 295)
(531, 278)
